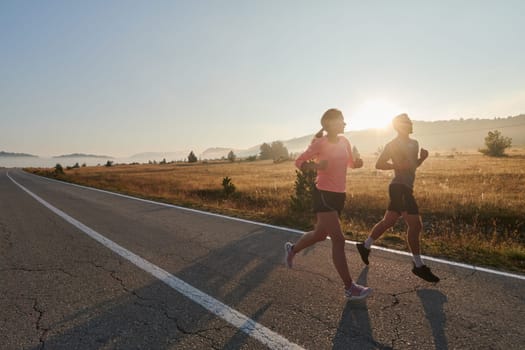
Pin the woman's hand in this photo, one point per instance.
(311, 165)
(322, 165)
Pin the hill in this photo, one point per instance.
(220, 152)
(151, 156)
(82, 155)
(10, 154)
(437, 136)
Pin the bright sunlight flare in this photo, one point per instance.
(374, 114)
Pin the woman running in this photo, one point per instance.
(333, 155)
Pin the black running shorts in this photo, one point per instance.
(402, 199)
(326, 201)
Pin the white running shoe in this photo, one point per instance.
(357, 292)
(288, 254)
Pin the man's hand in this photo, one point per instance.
(423, 154)
(358, 163)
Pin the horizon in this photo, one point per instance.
(201, 152)
(124, 77)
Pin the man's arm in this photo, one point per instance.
(383, 160)
(423, 154)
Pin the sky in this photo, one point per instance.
(124, 77)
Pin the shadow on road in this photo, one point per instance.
(157, 317)
(433, 302)
(354, 330)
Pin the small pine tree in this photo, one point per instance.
(228, 186)
(231, 156)
(496, 144)
(192, 158)
(59, 170)
(304, 186)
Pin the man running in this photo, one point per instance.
(401, 155)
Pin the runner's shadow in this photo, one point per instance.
(354, 330)
(155, 316)
(240, 337)
(433, 302)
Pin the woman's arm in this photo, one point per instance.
(311, 152)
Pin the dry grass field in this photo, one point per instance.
(473, 206)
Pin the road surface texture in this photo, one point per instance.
(62, 289)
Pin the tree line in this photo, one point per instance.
(276, 151)
(495, 142)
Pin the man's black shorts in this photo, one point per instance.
(402, 199)
(326, 201)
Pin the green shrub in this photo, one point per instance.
(228, 186)
(192, 158)
(496, 144)
(304, 185)
(59, 170)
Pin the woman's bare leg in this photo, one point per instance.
(330, 221)
(310, 238)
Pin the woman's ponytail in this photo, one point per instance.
(330, 114)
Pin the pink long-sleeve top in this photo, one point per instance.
(339, 158)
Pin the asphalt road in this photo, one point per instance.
(62, 289)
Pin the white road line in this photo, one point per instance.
(438, 260)
(266, 336)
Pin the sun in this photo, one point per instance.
(374, 114)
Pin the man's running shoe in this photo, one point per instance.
(288, 254)
(424, 273)
(363, 251)
(357, 292)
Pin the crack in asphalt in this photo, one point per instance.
(395, 297)
(199, 332)
(38, 325)
(113, 274)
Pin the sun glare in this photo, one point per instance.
(374, 114)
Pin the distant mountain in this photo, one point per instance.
(82, 155)
(10, 154)
(158, 156)
(220, 152)
(216, 153)
(437, 136)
